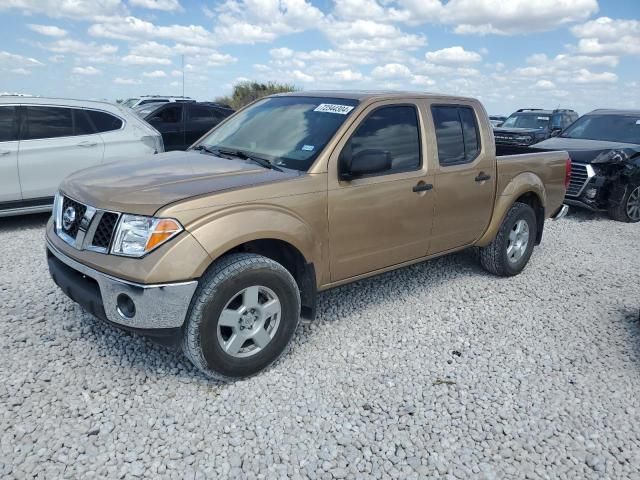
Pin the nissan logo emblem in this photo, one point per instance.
(68, 218)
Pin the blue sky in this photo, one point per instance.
(580, 54)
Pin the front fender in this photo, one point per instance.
(518, 186)
(224, 230)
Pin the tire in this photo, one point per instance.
(234, 300)
(496, 257)
(624, 203)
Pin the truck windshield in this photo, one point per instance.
(288, 131)
(610, 128)
(527, 120)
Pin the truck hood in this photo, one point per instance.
(590, 151)
(142, 185)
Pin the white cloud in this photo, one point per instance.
(142, 60)
(155, 74)
(347, 76)
(391, 70)
(301, 76)
(78, 9)
(166, 5)
(422, 81)
(48, 30)
(367, 36)
(545, 84)
(13, 60)
(585, 76)
(514, 17)
(20, 71)
(86, 70)
(83, 49)
(133, 28)
(281, 53)
(606, 36)
(252, 21)
(453, 56)
(511, 17)
(127, 81)
(151, 49)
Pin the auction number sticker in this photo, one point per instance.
(333, 108)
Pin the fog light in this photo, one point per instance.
(591, 193)
(126, 307)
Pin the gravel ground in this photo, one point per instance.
(435, 370)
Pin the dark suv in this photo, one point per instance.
(604, 146)
(532, 125)
(182, 123)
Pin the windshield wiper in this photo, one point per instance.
(244, 156)
(204, 148)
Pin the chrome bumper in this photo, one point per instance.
(564, 209)
(156, 306)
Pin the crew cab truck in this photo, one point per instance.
(222, 248)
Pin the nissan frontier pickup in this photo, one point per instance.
(223, 248)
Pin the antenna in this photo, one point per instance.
(183, 75)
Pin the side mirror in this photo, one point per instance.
(366, 162)
(555, 132)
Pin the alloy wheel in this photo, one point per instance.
(249, 321)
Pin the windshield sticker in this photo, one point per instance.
(543, 118)
(637, 122)
(308, 148)
(332, 108)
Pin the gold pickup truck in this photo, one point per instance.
(222, 248)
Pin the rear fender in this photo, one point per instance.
(520, 185)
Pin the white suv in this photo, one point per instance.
(42, 140)
(145, 99)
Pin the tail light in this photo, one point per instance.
(567, 173)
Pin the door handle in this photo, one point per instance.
(4, 152)
(482, 177)
(87, 144)
(422, 187)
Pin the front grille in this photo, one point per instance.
(78, 210)
(580, 176)
(105, 229)
(83, 226)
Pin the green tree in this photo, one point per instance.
(246, 92)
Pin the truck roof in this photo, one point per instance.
(69, 102)
(613, 111)
(369, 94)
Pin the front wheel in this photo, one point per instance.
(510, 251)
(242, 317)
(624, 205)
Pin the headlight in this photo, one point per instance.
(523, 138)
(57, 211)
(138, 235)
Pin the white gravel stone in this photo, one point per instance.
(439, 369)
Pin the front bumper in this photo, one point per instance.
(156, 307)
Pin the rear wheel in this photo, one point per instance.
(242, 318)
(624, 205)
(510, 251)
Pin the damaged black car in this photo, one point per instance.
(604, 147)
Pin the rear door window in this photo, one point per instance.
(8, 130)
(457, 134)
(83, 125)
(171, 114)
(201, 113)
(104, 122)
(47, 122)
